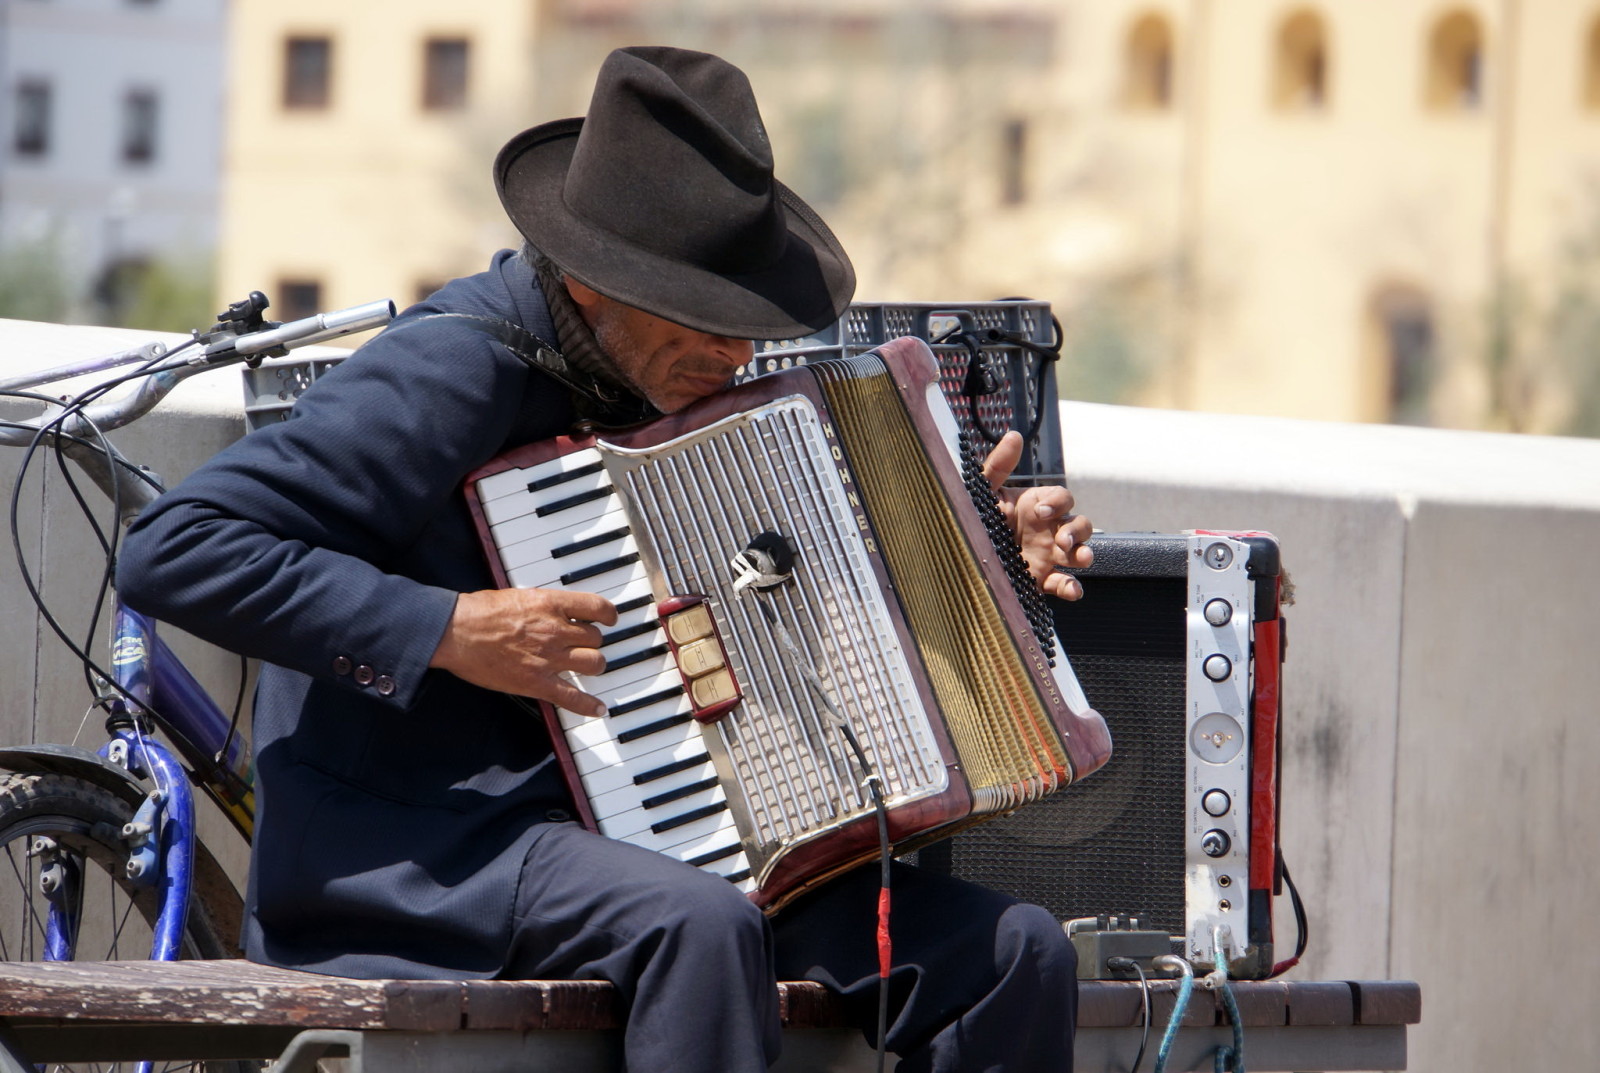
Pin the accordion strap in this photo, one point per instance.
(595, 404)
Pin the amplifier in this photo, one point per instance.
(1178, 643)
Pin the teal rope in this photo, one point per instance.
(1179, 1005)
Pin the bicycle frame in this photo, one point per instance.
(161, 836)
(154, 690)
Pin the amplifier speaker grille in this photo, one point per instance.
(1113, 843)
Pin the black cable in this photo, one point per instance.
(52, 430)
(1144, 1017)
(885, 856)
(1302, 925)
(238, 709)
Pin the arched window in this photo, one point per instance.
(1455, 63)
(1148, 74)
(1401, 323)
(1591, 67)
(1300, 67)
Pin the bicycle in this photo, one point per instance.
(100, 846)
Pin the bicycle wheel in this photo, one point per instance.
(80, 824)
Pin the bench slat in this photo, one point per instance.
(243, 993)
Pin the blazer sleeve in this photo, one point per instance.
(275, 548)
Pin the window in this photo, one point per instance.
(1148, 75)
(1013, 162)
(444, 74)
(32, 135)
(1300, 76)
(1403, 324)
(307, 73)
(139, 115)
(298, 298)
(1455, 63)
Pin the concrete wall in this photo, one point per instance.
(1439, 812)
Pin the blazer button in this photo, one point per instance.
(558, 815)
(341, 665)
(385, 685)
(364, 675)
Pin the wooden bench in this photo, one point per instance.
(100, 1011)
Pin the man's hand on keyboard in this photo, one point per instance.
(527, 642)
(1042, 520)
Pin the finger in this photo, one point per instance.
(587, 661)
(997, 468)
(1074, 531)
(587, 607)
(1063, 586)
(566, 695)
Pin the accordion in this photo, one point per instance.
(882, 610)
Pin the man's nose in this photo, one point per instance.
(735, 352)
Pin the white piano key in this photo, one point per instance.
(506, 507)
(508, 482)
(518, 537)
(696, 832)
(596, 731)
(629, 797)
(618, 723)
(634, 822)
(515, 481)
(601, 776)
(637, 755)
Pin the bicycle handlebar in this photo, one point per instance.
(78, 434)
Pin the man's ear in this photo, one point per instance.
(583, 294)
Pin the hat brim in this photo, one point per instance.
(804, 290)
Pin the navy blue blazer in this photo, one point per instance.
(395, 803)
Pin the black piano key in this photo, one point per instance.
(688, 817)
(637, 630)
(669, 769)
(713, 856)
(562, 478)
(635, 657)
(645, 701)
(599, 568)
(680, 793)
(654, 728)
(589, 542)
(739, 876)
(634, 604)
(556, 506)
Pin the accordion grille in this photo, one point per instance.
(997, 720)
(698, 501)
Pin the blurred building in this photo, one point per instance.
(111, 116)
(1354, 211)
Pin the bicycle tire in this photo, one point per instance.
(85, 821)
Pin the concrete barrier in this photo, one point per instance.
(1440, 808)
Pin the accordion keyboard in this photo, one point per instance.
(644, 765)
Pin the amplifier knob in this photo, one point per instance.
(1215, 843)
(1216, 802)
(1217, 667)
(1218, 612)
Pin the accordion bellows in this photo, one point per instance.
(897, 617)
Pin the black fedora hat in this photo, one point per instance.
(663, 198)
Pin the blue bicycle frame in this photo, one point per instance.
(161, 835)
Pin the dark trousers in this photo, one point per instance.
(980, 981)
